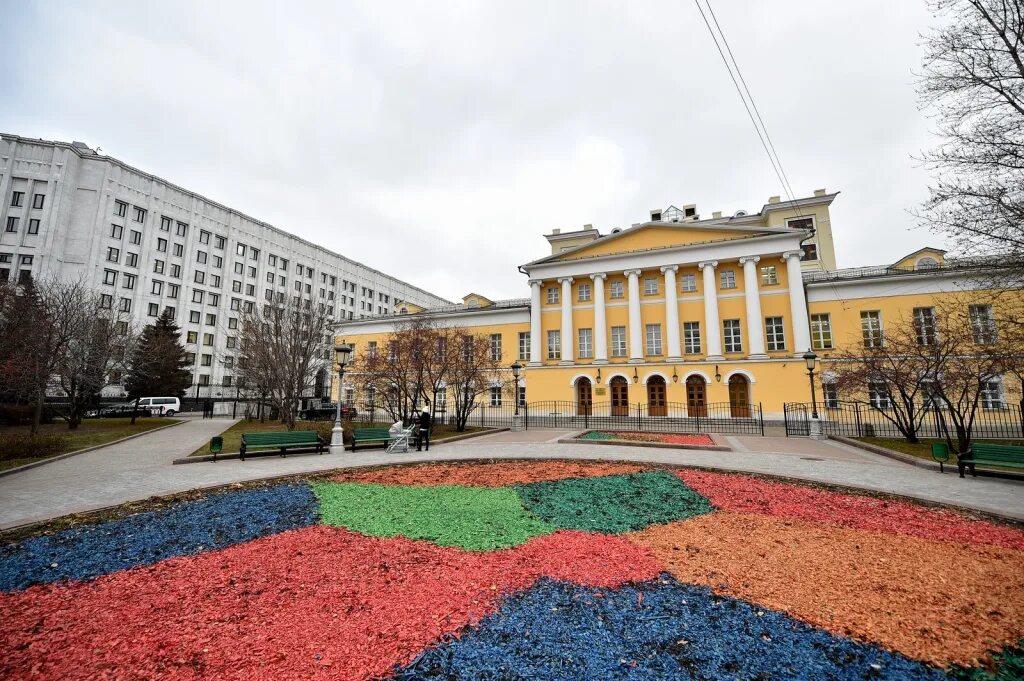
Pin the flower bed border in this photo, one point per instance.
(579, 439)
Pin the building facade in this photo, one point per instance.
(148, 245)
(693, 312)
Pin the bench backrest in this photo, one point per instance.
(1009, 453)
(280, 437)
(371, 433)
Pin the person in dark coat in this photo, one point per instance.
(423, 434)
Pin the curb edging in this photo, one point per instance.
(922, 463)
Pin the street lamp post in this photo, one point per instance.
(810, 359)
(516, 368)
(341, 353)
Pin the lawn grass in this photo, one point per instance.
(233, 435)
(91, 433)
(923, 449)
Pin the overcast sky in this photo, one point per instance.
(440, 141)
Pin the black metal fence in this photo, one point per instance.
(856, 419)
(670, 417)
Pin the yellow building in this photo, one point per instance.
(707, 313)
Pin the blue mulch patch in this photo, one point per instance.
(675, 631)
(184, 529)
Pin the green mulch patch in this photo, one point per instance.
(615, 503)
(473, 518)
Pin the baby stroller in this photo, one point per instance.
(400, 441)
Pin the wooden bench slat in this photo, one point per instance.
(281, 440)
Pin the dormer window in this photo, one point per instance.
(473, 303)
(927, 263)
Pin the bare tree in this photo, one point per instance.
(973, 82)
(281, 350)
(99, 340)
(472, 372)
(398, 375)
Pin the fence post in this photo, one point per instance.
(760, 416)
(856, 411)
(938, 423)
(638, 426)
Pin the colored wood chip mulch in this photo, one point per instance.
(652, 630)
(187, 528)
(933, 601)
(474, 518)
(618, 503)
(752, 495)
(316, 603)
(486, 474)
(662, 438)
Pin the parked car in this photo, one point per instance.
(162, 406)
(327, 412)
(122, 411)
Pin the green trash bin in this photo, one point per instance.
(216, 445)
(940, 452)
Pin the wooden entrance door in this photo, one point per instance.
(656, 405)
(620, 396)
(584, 397)
(696, 400)
(739, 396)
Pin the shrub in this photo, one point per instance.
(21, 414)
(24, 446)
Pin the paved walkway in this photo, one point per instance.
(142, 468)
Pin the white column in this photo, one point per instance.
(600, 325)
(797, 303)
(567, 339)
(673, 350)
(752, 294)
(636, 335)
(535, 358)
(713, 327)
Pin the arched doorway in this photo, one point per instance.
(696, 396)
(656, 403)
(584, 397)
(620, 396)
(739, 396)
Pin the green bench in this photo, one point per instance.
(268, 442)
(1007, 456)
(379, 436)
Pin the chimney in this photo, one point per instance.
(820, 192)
(588, 226)
(717, 214)
(773, 199)
(556, 231)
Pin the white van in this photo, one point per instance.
(161, 406)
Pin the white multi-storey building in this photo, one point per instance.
(148, 246)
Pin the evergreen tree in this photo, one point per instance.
(158, 364)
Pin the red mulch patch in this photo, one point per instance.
(934, 601)
(661, 438)
(752, 495)
(486, 474)
(315, 603)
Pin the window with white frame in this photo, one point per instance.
(871, 328)
(688, 283)
(727, 279)
(583, 293)
(650, 286)
(924, 325)
(554, 344)
(878, 394)
(769, 275)
(495, 347)
(983, 326)
(495, 395)
(616, 290)
(775, 333)
(691, 338)
(618, 341)
(732, 339)
(553, 295)
(830, 394)
(992, 394)
(524, 345)
(821, 331)
(653, 336)
(585, 343)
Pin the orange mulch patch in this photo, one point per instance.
(934, 601)
(487, 474)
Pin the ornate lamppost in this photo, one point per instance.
(341, 353)
(810, 359)
(516, 368)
